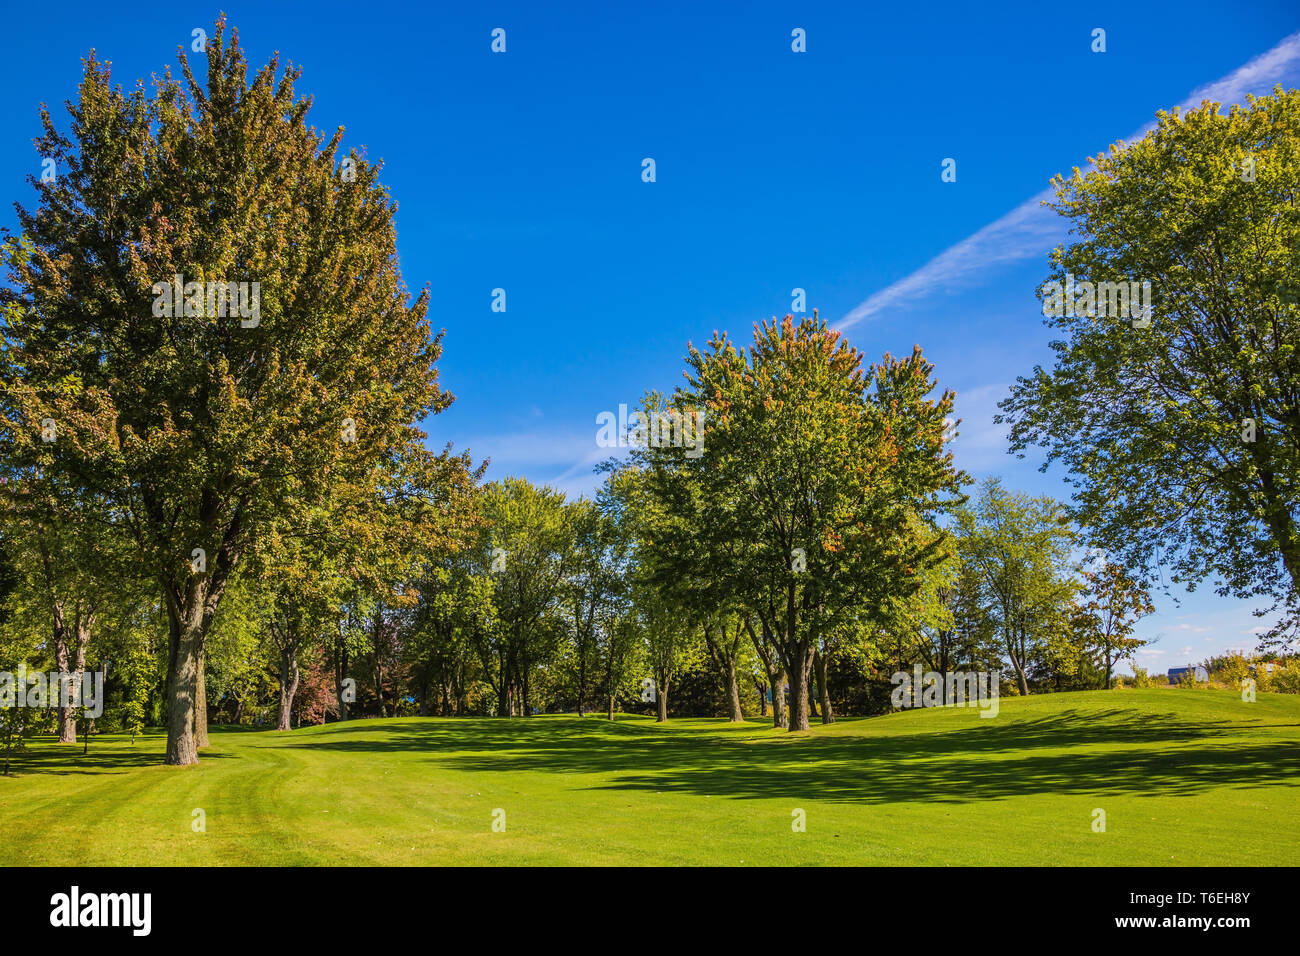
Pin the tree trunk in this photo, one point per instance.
(771, 666)
(289, 675)
(942, 668)
(79, 660)
(201, 701)
(661, 696)
(582, 677)
(776, 680)
(1018, 665)
(609, 680)
(802, 662)
(188, 628)
(1021, 681)
(376, 635)
(173, 651)
(733, 688)
(67, 715)
(823, 688)
(503, 689)
(340, 674)
(798, 705)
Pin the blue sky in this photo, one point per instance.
(775, 170)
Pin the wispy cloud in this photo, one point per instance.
(1031, 228)
(535, 448)
(582, 478)
(563, 459)
(1022, 233)
(980, 444)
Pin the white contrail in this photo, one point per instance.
(1031, 228)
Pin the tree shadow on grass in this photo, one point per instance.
(47, 756)
(1161, 755)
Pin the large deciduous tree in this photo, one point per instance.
(531, 554)
(593, 591)
(816, 482)
(212, 312)
(1182, 437)
(1020, 547)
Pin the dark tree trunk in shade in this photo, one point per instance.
(609, 682)
(340, 675)
(765, 648)
(802, 665)
(798, 705)
(503, 688)
(733, 687)
(377, 638)
(823, 688)
(776, 680)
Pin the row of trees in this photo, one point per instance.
(574, 605)
(571, 605)
(217, 504)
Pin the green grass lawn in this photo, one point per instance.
(1184, 777)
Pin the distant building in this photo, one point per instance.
(1176, 674)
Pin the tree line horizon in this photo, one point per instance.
(217, 506)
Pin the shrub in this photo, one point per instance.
(1229, 670)
(1263, 679)
(1287, 680)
